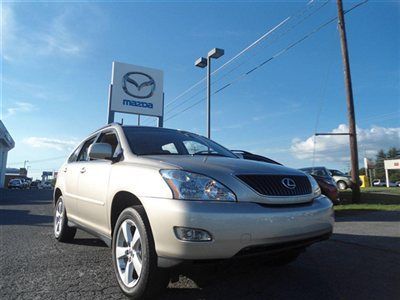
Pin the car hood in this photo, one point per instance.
(207, 165)
(224, 169)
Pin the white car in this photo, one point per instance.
(382, 183)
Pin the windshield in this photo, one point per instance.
(337, 173)
(161, 141)
(316, 171)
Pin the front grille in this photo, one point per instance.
(271, 185)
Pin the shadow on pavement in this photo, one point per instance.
(309, 277)
(93, 242)
(361, 215)
(25, 197)
(22, 217)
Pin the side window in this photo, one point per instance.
(170, 148)
(74, 155)
(194, 147)
(83, 154)
(110, 138)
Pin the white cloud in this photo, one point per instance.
(55, 38)
(57, 144)
(336, 148)
(19, 107)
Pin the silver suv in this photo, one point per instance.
(160, 197)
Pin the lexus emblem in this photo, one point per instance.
(138, 85)
(289, 183)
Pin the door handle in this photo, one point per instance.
(83, 170)
(65, 169)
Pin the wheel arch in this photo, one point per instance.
(57, 194)
(121, 200)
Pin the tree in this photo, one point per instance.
(392, 153)
(379, 164)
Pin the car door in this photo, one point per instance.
(70, 171)
(93, 185)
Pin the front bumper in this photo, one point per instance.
(233, 226)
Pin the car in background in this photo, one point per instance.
(46, 185)
(35, 184)
(15, 184)
(382, 183)
(25, 183)
(251, 156)
(327, 185)
(325, 182)
(343, 180)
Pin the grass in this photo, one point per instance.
(368, 207)
(382, 190)
(372, 199)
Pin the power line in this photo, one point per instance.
(238, 78)
(37, 161)
(263, 37)
(249, 47)
(298, 13)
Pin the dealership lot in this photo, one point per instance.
(361, 260)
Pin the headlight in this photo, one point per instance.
(316, 190)
(192, 186)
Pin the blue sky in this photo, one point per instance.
(56, 68)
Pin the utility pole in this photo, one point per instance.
(350, 104)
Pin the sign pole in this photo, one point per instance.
(110, 113)
(161, 118)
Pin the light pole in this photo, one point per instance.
(206, 62)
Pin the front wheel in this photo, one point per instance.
(62, 231)
(134, 256)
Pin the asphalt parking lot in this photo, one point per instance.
(360, 261)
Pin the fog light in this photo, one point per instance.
(192, 234)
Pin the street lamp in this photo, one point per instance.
(206, 62)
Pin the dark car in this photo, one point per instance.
(252, 156)
(325, 182)
(15, 184)
(35, 184)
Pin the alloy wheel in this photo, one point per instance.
(128, 253)
(58, 217)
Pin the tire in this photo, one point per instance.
(133, 251)
(342, 185)
(62, 232)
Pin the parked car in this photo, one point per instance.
(251, 156)
(382, 183)
(160, 197)
(25, 183)
(343, 181)
(46, 185)
(15, 184)
(325, 182)
(35, 184)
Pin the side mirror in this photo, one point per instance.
(100, 151)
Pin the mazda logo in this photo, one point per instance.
(138, 85)
(289, 183)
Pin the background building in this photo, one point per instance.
(6, 144)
